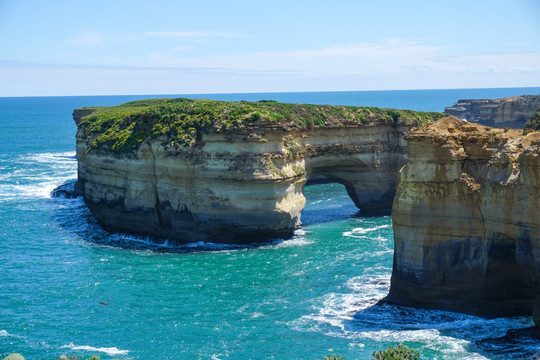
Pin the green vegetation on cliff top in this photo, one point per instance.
(534, 121)
(182, 121)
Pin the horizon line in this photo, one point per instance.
(273, 92)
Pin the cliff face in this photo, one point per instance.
(512, 112)
(230, 184)
(466, 220)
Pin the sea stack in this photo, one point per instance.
(466, 220)
(202, 170)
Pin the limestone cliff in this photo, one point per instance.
(466, 220)
(197, 170)
(511, 112)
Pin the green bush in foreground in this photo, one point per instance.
(334, 357)
(401, 352)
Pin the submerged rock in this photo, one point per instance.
(466, 220)
(200, 170)
(69, 190)
(515, 344)
(14, 356)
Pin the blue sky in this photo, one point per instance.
(59, 47)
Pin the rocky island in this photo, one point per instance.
(200, 170)
(466, 220)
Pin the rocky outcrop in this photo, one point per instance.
(534, 121)
(233, 184)
(511, 112)
(466, 220)
(14, 356)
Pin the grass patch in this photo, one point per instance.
(180, 123)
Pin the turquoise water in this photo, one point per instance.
(68, 287)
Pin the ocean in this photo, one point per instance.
(69, 287)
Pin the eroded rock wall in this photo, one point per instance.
(466, 220)
(511, 112)
(240, 185)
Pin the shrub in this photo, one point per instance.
(534, 121)
(401, 352)
(181, 122)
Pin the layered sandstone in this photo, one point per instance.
(235, 183)
(466, 220)
(511, 112)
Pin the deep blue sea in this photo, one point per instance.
(69, 287)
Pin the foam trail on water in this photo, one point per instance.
(4, 333)
(362, 231)
(107, 350)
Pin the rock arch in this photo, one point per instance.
(235, 177)
(239, 187)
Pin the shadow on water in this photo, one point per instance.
(335, 205)
(488, 337)
(74, 216)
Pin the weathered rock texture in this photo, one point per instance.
(511, 112)
(236, 184)
(466, 220)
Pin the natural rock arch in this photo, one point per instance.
(370, 183)
(237, 184)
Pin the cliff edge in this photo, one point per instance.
(510, 112)
(466, 220)
(203, 170)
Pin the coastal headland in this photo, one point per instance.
(466, 220)
(511, 112)
(200, 170)
(465, 214)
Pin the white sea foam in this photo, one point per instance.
(107, 350)
(358, 232)
(50, 157)
(4, 333)
(295, 241)
(300, 232)
(372, 286)
(320, 201)
(167, 244)
(36, 175)
(256, 315)
(339, 310)
(354, 316)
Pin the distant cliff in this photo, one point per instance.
(467, 220)
(511, 112)
(202, 170)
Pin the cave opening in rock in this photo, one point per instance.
(326, 200)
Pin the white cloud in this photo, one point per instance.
(369, 58)
(191, 34)
(394, 64)
(88, 38)
(493, 63)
